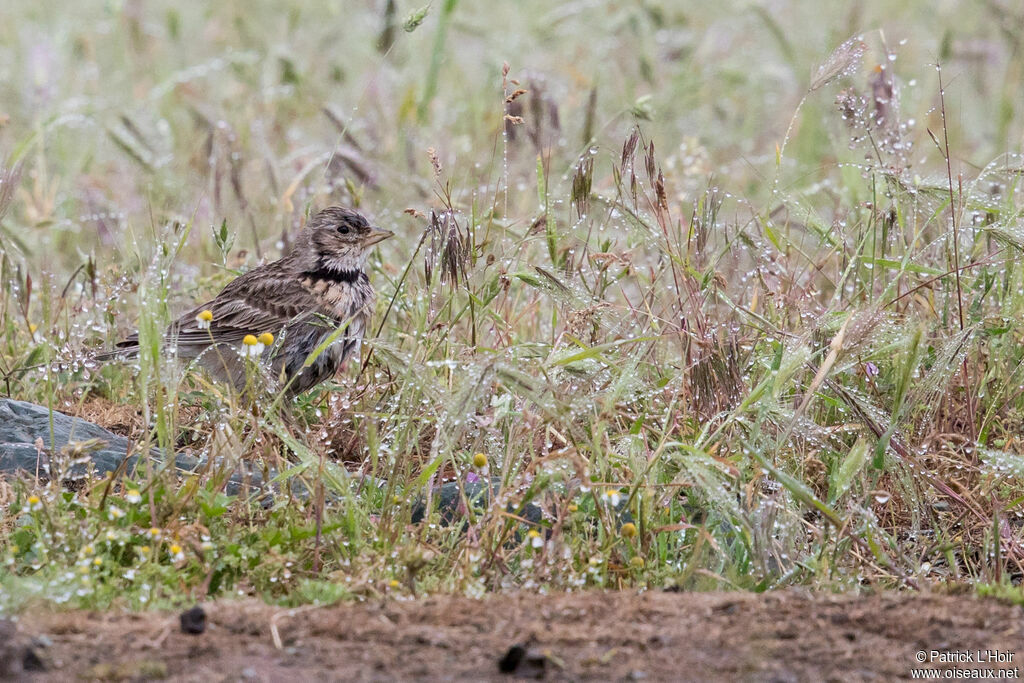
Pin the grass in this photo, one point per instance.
(735, 308)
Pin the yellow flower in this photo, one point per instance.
(266, 339)
(393, 583)
(636, 562)
(133, 496)
(34, 503)
(628, 530)
(536, 540)
(251, 346)
(573, 507)
(204, 319)
(97, 561)
(479, 461)
(154, 532)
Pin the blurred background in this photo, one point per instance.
(128, 114)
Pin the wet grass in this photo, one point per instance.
(736, 305)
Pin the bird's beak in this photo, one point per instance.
(376, 235)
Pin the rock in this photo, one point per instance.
(193, 621)
(448, 502)
(77, 446)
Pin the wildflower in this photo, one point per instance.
(145, 550)
(573, 507)
(176, 552)
(88, 549)
(251, 346)
(114, 512)
(871, 370)
(480, 461)
(129, 575)
(613, 496)
(34, 503)
(266, 339)
(154, 532)
(204, 319)
(33, 329)
(628, 530)
(393, 583)
(636, 562)
(206, 545)
(97, 561)
(472, 477)
(536, 540)
(133, 496)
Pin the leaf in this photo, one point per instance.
(852, 464)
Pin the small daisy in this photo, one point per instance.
(133, 496)
(34, 503)
(114, 512)
(204, 319)
(266, 339)
(176, 552)
(536, 540)
(613, 496)
(251, 346)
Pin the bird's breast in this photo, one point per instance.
(344, 300)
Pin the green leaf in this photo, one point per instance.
(852, 464)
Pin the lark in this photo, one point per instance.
(281, 312)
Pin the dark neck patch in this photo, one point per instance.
(333, 274)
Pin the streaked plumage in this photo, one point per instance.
(302, 299)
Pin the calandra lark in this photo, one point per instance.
(281, 312)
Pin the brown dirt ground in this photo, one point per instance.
(783, 636)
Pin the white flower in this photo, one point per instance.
(203, 319)
(613, 497)
(251, 346)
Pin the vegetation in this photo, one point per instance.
(732, 296)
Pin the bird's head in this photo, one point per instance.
(342, 238)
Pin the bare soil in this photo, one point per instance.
(783, 636)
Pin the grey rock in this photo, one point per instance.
(101, 451)
(98, 450)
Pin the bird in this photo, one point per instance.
(281, 312)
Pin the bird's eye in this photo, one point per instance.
(343, 229)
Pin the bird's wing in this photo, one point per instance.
(264, 304)
(261, 300)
